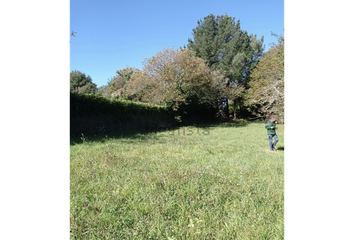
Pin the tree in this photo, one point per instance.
(266, 92)
(234, 94)
(117, 85)
(224, 46)
(81, 84)
(104, 91)
(177, 78)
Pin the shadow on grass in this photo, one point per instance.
(104, 137)
(129, 135)
(241, 123)
(146, 134)
(280, 148)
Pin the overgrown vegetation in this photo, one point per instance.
(217, 182)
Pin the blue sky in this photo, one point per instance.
(111, 35)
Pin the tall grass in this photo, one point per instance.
(218, 182)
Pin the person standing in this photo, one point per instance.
(270, 126)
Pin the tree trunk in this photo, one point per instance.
(235, 105)
(227, 107)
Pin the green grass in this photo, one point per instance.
(219, 182)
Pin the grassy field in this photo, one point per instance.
(219, 182)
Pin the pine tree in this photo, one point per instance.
(223, 45)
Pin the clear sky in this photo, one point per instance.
(111, 35)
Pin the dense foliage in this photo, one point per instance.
(266, 91)
(222, 43)
(80, 83)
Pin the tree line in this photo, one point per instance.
(222, 68)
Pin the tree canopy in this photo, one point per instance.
(266, 90)
(175, 78)
(223, 45)
(117, 85)
(81, 83)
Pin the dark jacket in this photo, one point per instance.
(268, 126)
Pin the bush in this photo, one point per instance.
(96, 114)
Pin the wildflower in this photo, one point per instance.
(139, 200)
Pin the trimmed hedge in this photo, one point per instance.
(96, 114)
